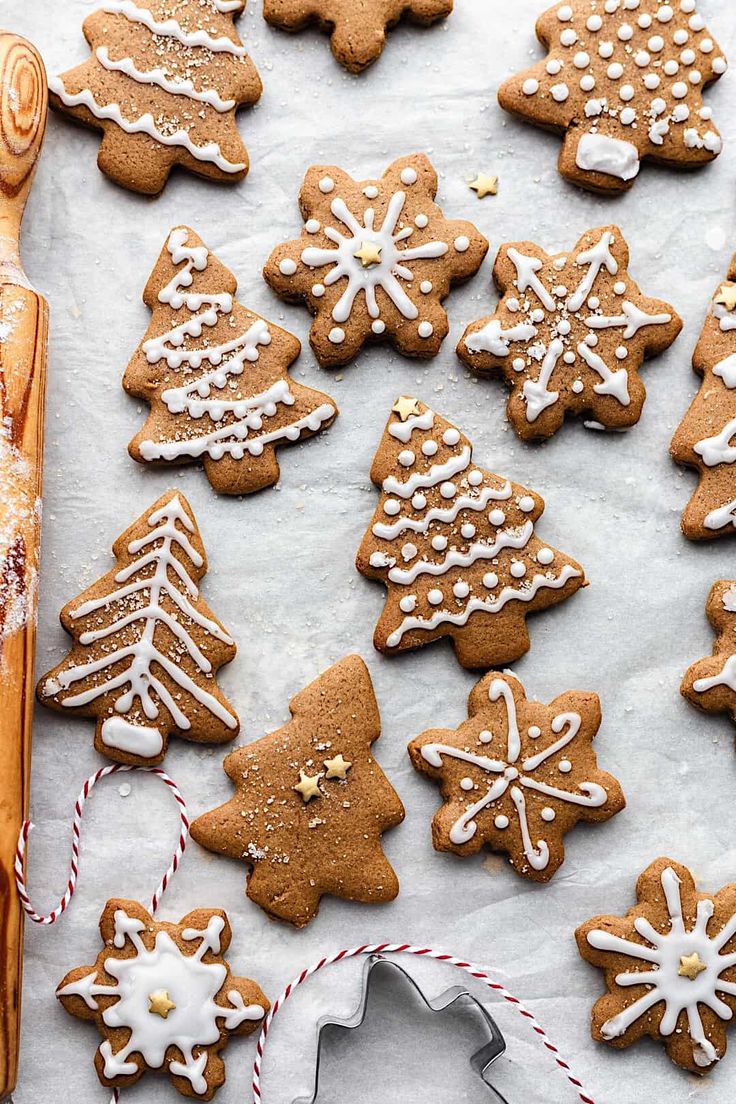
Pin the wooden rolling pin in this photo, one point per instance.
(23, 336)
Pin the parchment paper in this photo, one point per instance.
(282, 575)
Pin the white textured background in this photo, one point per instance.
(282, 575)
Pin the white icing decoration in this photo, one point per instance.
(176, 86)
(140, 740)
(664, 951)
(613, 156)
(436, 474)
(402, 431)
(167, 547)
(170, 28)
(192, 986)
(514, 776)
(726, 369)
(718, 449)
(727, 674)
(228, 361)
(506, 539)
(436, 513)
(386, 274)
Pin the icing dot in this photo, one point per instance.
(312, 226)
(318, 290)
(439, 543)
(501, 821)
(587, 83)
(569, 358)
(545, 556)
(435, 598)
(371, 191)
(419, 501)
(706, 45)
(559, 92)
(594, 23)
(581, 60)
(605, 49)
(378, 326)
(530, 86)
(626, 92)
(485, 736)
(577, 386)
(628, 116)
(518, 364)
(687, 57)
(564, 766)
(425, 329)
(421, 221)
(526, 504)
(461, 590)
(615, 70)
(679, 90)
(287, 267)
(670, 67)
(462, 244)
(451, 436)
(408, 176)
(467, 530)
(409, 551)
(408, 603)
(326, 185)
(534, 732)
(696, 22)
(619, 287)
(553, 67)
(652, 81)
(564, 14)
(625, 32)
(406, 458)
(429, 448)
(336, 336)
(425, 287)
(466, 783)
(447, 490)
(656, 43)
(645, 21)
(622, 352)
(642, 58)
(719, 65)
(665, 13)
(475, 478)
(695, 77)
(490, 580)
(497, 517)
(518, 569)
(568, 37)
(548, 814)
(594, 302)
(391, 506)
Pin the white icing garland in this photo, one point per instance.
(171, 28)
(664, 953)
(164, 546)
(514, 777)
(191, 984)
(157, 76)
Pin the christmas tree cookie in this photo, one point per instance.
(670, 967)
(146, 646)
(710, 684)
(455, 546)
(704, 438)
(163, 998)
(311, 803)
(216, 375)
(622, 80)
(163, 85)
(375, 260)
(570, 334)
(517, 775)
(357, 27)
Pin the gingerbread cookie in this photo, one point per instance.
(623, 80)
(163, 998)
(357, 27)
(163, 85)
(215, 375)
(311, 803)
(146, 646)
(704, 438)
(375, 260)
(670, 967)
(455, 546)
(570, 334)
(517, 775)
(710, 684)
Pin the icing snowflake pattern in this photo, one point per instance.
(511, 792)
(624, 79)
(375, 260)
(193, 1021)
(570, 334)
(677, 961)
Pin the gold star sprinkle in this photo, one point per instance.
(337, 767)
(484, 185)
(308, 786)
(691, 966)
(159, 1004)
(727, 296)
(368, 254)
(405, 407)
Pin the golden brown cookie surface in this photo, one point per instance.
(216, 375)
(147, 647)
(163, 998)
(703, 440)
(311, 802)
(670, 967)
(164, 82)
(621, 81)
(375, 260)
(455, 545)
(570, 334)
(710, 684)
(517, 775)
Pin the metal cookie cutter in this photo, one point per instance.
(481, 1061)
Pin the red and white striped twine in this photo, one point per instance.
(419, 952)
(104, 772)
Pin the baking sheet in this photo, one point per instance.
(282, 574)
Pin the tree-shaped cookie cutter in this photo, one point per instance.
(481, 1061)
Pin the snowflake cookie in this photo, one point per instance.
(517, 775)
(623, 80)
(570, 334)
(455, 546)
(704, 438)
(163, 998)
(357, 27)
(670, 967)
(311, 802)
(375, 260)
(146, 646)
(163, 85)
(710, 684)
(215, 375)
